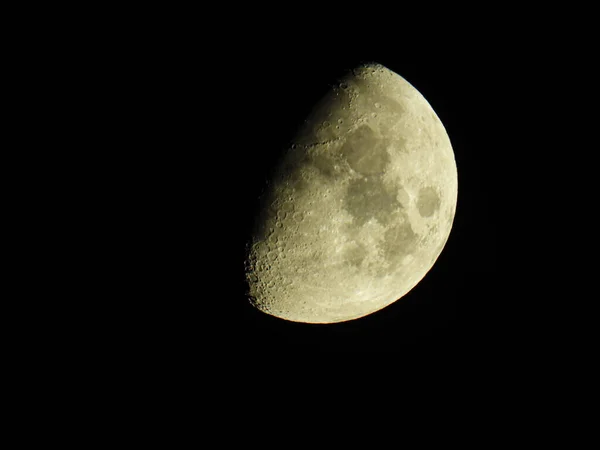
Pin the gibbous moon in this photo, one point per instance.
(360, 206)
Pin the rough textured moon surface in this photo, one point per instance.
(359, 207)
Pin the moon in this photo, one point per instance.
(359, 207)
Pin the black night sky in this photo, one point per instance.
(264, 99)
(232, 105)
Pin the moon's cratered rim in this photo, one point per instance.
(360, 207)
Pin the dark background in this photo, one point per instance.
(175, 120)
(258, 95)
(214, 113)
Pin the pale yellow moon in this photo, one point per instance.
(360, 206)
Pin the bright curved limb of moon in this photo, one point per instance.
(360, 206)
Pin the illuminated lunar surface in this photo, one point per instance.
(360, 206)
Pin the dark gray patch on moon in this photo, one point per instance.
(428, 202)
(364, 152)
(355, 255)
(399, 241)
(369, 198)
(391, 105)
(324, 163)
